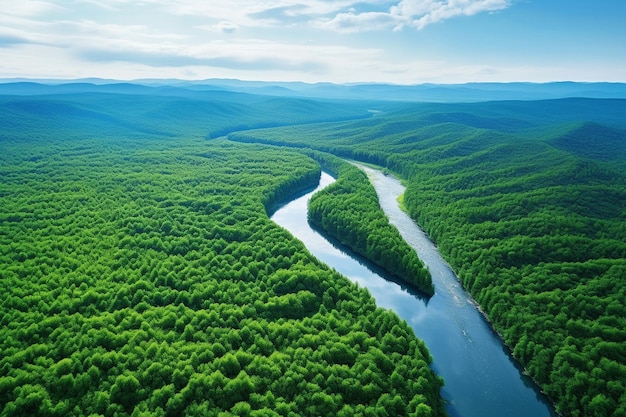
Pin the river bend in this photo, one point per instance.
(481, 377)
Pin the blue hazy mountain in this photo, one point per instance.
(471, 92)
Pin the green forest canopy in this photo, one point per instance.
(141, 274)
(137, 256)
(527, 201)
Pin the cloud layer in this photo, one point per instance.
(309, 40)
(340, 15)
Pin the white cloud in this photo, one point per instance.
(414, 13)
(351, 22)
(252, 7)
(29, 8)
(420, 13)
(250, 13)
(226, 27)
(238, 55)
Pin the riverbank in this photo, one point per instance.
(349, 211)
(481, 377)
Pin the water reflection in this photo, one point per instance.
(482, 379)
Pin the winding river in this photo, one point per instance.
(481, 377)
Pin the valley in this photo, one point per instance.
(142, 274)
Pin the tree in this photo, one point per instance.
(125, 391)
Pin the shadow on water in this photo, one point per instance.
(372, 267)
(481, 376)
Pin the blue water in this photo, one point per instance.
(481, 377)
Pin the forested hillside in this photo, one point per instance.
(142, 276)
(128, 110)
(527, 201)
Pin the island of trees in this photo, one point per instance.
(350, 213)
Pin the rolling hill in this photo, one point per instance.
(527, 201)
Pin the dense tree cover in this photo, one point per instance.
(538, 238)
(527, 201)
(348, 210)
(142, 276)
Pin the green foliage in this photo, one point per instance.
(348, 210)
(527, 201)
(141, 275)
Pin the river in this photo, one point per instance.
(481, 377)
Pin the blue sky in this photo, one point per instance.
(401, 41)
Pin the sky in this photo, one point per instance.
(340, 41)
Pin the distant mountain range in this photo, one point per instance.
(471, 92)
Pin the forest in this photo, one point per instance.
(142, 276)
(527, 201)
